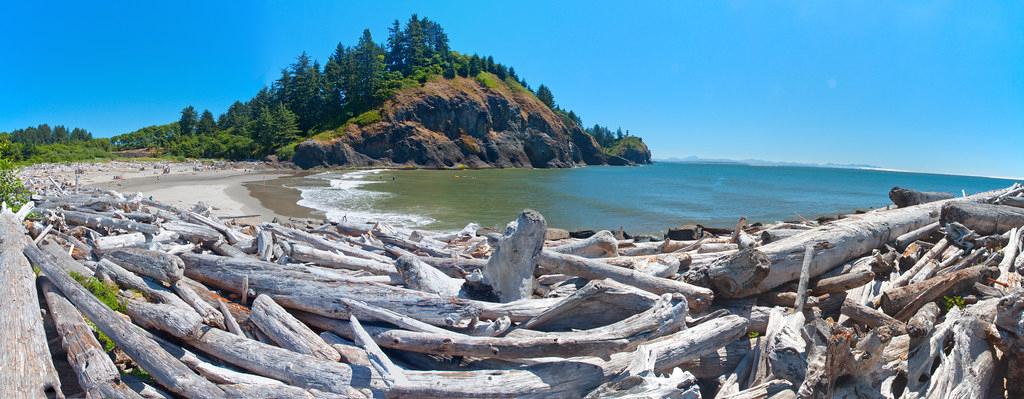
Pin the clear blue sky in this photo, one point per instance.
(936, 86)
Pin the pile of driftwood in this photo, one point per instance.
(920, 301)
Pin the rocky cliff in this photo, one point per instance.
(460, 122)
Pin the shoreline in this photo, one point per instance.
(267, 193)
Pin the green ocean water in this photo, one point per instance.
(643, 199)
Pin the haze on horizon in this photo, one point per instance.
(933, 87)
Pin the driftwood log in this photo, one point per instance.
(25, 366)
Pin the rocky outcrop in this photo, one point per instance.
(458, 123)
(631, 150)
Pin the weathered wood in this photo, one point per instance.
(903, 241)
(600, 245)
(26, 369)
(194, 233)
(233, 237)
(350, 353)
(661, 265)
(322, 243)
(164, 368)
(903, 302)
(209, 314)
(747, 272)
(303, 253)
(285, 365)
(640, 381)
(965, 372)
(772, 235)
(843, 282)
(660, 320)
(418, 275)
(287, 331)
(599, 303)
(510, 268)
(868, 316)
(904, 197)
(222, 248)
(98, 221)
(698, 297)
(805, 277)
(983, 219)
(387, 370)
(154, 264)
(297, 288)
(96, 373)
(921, 263)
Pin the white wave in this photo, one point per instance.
(344, 200)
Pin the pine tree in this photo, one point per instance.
(416, 46)
(206, 125)
(545, 96)
(395, 58)
(187, 123)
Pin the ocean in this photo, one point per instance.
(641, 199)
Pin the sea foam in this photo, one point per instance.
(345, 199)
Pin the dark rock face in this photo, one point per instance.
(456, 123)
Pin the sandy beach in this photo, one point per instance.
(230, 193)
(232, 189)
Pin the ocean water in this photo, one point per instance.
(643, 199)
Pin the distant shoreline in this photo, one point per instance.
(769, 164)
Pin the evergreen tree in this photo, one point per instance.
(395, 58)
(449, 71)
(187, 123)
(236, 117)
(545, 96)
(206, 125)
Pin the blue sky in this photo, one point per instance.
(936, 86)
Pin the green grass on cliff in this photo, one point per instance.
(625, 144)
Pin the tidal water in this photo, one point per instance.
(643, 199)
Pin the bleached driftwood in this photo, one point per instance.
(164, 368)
(603, 244)
(699, 298)
(983, 219)
(96, 373)
(287, 331)
(418, 275)
(510, 268)
(25, 366)
(154, 264)
(598, 303)
(747, 272)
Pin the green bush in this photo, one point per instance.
(367, 118)
(12, 191)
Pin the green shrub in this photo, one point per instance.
(951, 301)
(107, 294)
(12, 191)
(367, 118)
